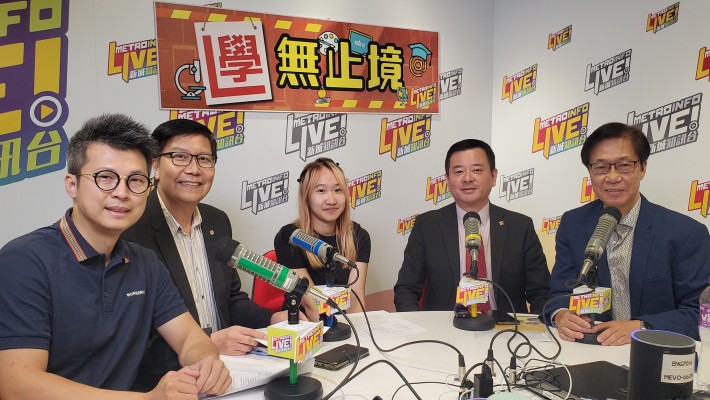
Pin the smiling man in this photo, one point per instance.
(435, 256)
(183, 232)
(77, 303)
(657, 261)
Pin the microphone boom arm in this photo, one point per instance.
(473, 271)
(589, 265)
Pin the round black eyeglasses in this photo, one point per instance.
(109, 180)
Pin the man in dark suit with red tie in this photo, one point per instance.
(435, 256)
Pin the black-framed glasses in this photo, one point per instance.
(108, 181)
(622, 167)
(183, 159)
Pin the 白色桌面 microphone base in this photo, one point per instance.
(339, 331)
(589, 338)
(482, 322)
(306, 388)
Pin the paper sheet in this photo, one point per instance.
(384, 326)
(256, 369)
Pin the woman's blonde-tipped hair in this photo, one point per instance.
(343, 226)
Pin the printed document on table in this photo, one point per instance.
(256, 369)
(385, 325)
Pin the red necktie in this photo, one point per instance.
(482, 272)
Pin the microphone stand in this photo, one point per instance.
(469, 319)
(292, 387)
(336, 332)
(592, 280)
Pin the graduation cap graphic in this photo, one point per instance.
(421, 51)
(418, 61)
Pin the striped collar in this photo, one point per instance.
(79, 247)
(72, 238)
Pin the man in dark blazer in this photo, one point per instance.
(434, 258)
(174, 217)
(661, 258)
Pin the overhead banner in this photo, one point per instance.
(217, 59)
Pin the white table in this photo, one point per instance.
(434, 362)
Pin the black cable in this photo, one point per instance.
(350, 376)
(369, 328)
(357, 359)
(365, 368)
(536, 377)
(357, 276)
(515, 331)
(418, 383)
(468, 371)
(575, 283)
(510, 302)
(503, 331)
(548, 323)
(526, 340)
(507, 383)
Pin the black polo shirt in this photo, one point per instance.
(56, 294)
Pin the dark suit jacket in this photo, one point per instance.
(432, 256)
(233, 306)
(670, 264)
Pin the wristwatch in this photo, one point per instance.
(644, 325)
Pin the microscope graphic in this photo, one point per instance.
(194, 91)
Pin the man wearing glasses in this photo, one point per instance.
(657, 261)
(77, 303)
(183, 232)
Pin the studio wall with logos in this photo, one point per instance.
(532, 77)
(96, 56)
(561, 69)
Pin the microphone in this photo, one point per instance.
(237, 256)
(471, 291)
(597, 243)
(318, 247)
(472, 227)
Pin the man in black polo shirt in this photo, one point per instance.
(77, 304)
